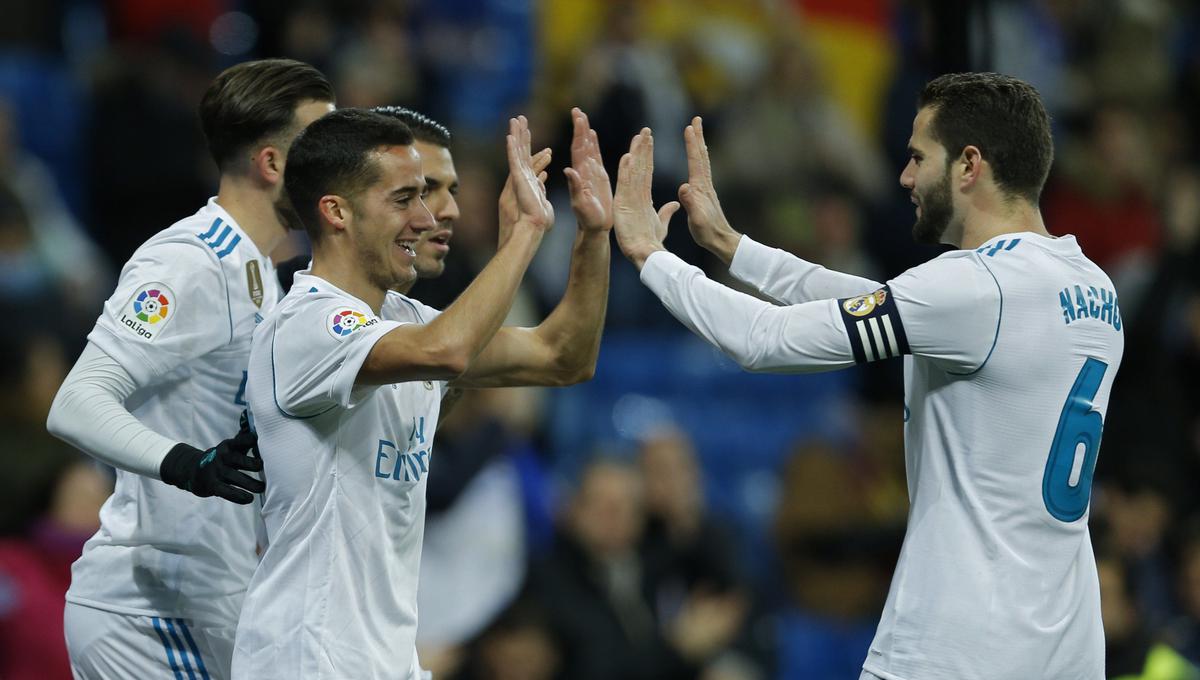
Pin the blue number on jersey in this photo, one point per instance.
(240, 397)
(1078, 425)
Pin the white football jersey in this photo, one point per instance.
(1010, 353)
(180, 323)
(346, 469)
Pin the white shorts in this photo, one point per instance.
(106, 645)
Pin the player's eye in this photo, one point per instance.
(453, 189)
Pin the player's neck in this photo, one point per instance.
(998, 218)
(254, 211)
(341, 270)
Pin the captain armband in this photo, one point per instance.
(873, 325)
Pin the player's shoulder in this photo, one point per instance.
(315, 309)
(958, 279)
(400, 307)
(207, 239)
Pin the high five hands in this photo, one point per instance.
(640, 230)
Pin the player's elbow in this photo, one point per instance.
(57, 422)
(448, 361)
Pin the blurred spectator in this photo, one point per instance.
(691, 555)
(837, 562)
(474, 557)
(519, 645)
(54, 242)
(601, 595)
(35, 570)
(1102, 193)
(1183, 633)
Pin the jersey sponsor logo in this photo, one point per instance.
(149, 310)
(873, 326)
(345, 321)
(254, 282)
(1080, 302)
(865, 304)
(409, 464)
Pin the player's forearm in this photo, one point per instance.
(573, 329)
(789, 279)
(757, 335)
(459, 334)
(89, 413)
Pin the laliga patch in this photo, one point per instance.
(344, 321)
(149, 311)
(874, 326)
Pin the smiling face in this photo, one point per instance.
(390, 217)
(927, 178)
(441, 180)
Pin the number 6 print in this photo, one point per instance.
(1079, 425)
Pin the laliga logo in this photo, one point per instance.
(150, 305)
(346, 321)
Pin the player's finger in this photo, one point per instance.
(232, 493)
(667, 211)
(574, 181)
(541, 160)
(251, 463)
(242, 481)
(623, 180)
(699, 123)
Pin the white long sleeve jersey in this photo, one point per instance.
(1010, 352)
(179, 323)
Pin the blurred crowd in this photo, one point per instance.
(555, 552)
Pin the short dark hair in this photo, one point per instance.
(1004, 117)
(424, 128)
(332, 156)
(254, 100)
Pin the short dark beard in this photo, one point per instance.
(937, 210)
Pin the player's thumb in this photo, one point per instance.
(665, 213)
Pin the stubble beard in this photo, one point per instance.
(937, 211)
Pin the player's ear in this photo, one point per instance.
(970, 166)
(268, 164)
(336, 211)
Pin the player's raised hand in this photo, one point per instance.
(533, 208)
(591, 193)
(509, 214)
(640, 231)
(219, 471)
(706, 220)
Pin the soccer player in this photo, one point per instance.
(346, 378)
(158, 589)
(1010, 344)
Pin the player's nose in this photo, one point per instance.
(908, 178)
(423, 220)
(449, 212)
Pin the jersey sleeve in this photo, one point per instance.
(787, 279)
(317, 352)
(760, 336)
(170, 306)
(947, 310)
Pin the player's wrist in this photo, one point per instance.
(723, 243)
(179, 466)
(639, 253)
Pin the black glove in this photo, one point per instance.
(217, 471)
